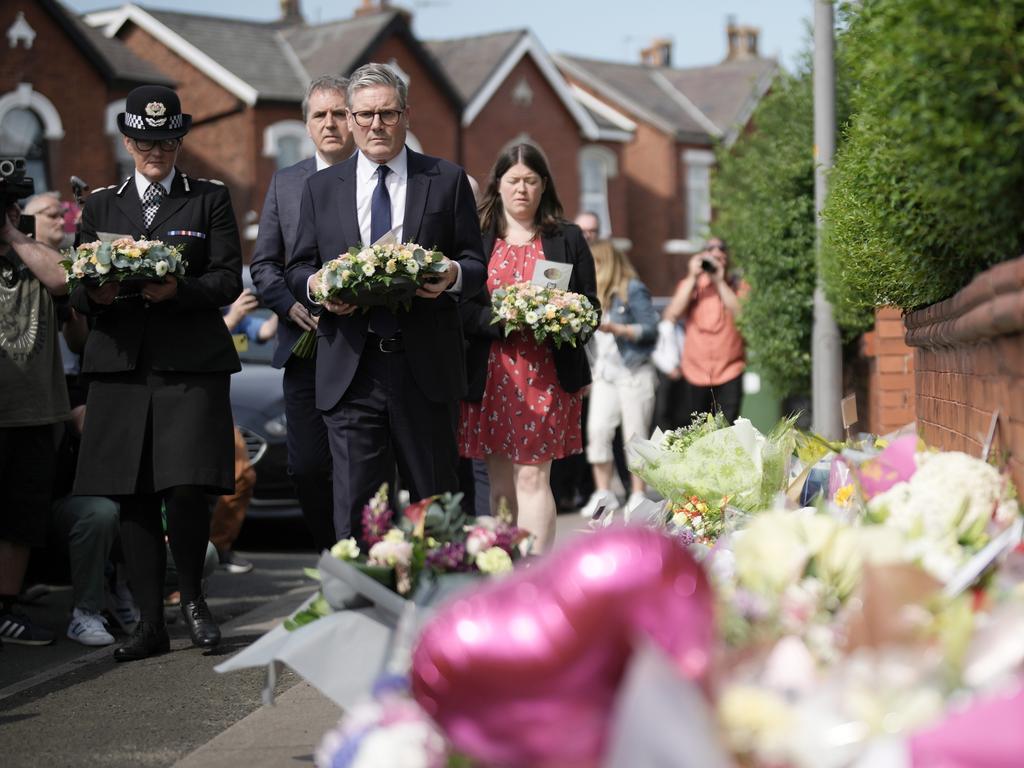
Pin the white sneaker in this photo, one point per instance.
(599, 500)
(88, 629)
(121, 606)
(636, 498)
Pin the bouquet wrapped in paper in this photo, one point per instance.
(121, 261)
(713, 460)
(547, 313)
(383, 274)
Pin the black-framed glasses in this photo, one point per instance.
(167, 145)
(387, 117)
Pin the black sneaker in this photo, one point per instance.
(232, 562)
(16, 628)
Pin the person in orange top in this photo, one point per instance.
(707, 301)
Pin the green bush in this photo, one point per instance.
(763, 195)
(928, 186)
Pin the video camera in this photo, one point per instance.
(15, 186)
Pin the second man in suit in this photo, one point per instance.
(309, 458)
(389, 381)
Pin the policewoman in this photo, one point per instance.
(158, 426)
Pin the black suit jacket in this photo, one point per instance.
(567, 245)
(279, 221)
(440, 213)
(185, 333)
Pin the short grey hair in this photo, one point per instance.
(323, 83)
(373, 75)
(35, 201)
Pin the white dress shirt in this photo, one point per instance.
(142, 183)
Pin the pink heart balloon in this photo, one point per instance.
(524, 671)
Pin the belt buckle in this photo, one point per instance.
(388, 346)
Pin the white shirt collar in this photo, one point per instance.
(366, 169)
(321, 163)
(142, 183)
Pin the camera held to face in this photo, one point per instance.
(709, 265)
(15, 186)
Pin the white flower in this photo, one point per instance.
(346, 549)
(531, 318)
(494, 561)
(369, 269)
(400, 745)
(770, 553)
(160, 268)
(412, 267)
(101, 268)
(478, 540)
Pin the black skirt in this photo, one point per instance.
(147, 431)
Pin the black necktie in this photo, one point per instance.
(151, 203)
(382, 322)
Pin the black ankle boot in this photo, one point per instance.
(148, 639)
(202, 627)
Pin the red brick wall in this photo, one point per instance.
(545, 120)
(969, 360)
(890, 362)
(58, 70)
(432, 117)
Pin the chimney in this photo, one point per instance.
(290, 12)
(742, 40)
(369, 7)
(657, 54)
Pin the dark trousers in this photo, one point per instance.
(727, 398)
(384, 418)
(309, 454)
(145, 556)
(475, 484)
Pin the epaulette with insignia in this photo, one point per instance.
(103, 189)
(213, 181)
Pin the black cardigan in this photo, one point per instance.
(567, 245)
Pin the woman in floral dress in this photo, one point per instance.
(525, 398)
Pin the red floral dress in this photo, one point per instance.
(524, 415)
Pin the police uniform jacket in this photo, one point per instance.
(158, 413)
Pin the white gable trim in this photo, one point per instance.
(760, 89)
(112, 21)
(529, 44)
(605, 110)
(687, 106)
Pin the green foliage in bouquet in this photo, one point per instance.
(122, 260)
(928, 188)
(763, 196)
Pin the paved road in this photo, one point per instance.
(67, 705)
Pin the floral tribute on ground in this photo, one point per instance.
(122, 260)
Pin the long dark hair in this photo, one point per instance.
(492, 212)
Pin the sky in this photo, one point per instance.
(602, 29)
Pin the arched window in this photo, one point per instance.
(597, 165)
(21, 135)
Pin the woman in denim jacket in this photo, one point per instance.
(624, 379)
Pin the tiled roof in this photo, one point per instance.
(470, 61)
(335, 48)
(722, 91)
(254, 52)
(124, 65)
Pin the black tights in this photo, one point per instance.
(145, 556)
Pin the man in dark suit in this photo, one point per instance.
(309, 457)
(389, 381)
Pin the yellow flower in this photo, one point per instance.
(494, 561)
(844, 495)
(346, 549)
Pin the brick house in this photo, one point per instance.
(680, 116)
(512, 91)
(243, 83)
(61, 85)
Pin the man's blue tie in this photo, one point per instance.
(382, 322)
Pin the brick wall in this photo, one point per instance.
(890, 371)
(969, 363)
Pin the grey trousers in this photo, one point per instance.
(88, 526)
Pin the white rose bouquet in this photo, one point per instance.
(563, 316)
(123, 260)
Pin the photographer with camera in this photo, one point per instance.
(707, 301)
(33, 396)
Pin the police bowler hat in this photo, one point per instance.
(153, 112)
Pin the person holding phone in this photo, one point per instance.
(707, 300)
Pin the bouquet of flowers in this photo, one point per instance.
(432, 536)
(562, 316)
(123, 260)
(712, 460)
(377, 275)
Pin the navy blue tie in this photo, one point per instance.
(382, 322)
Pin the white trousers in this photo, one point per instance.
(629, 402)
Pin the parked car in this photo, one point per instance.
(257, 403)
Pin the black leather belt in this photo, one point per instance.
(394, 344)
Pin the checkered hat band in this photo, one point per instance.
(138, 122)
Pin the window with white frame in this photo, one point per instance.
(597, 165)
(287, 142)
(697, 163)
